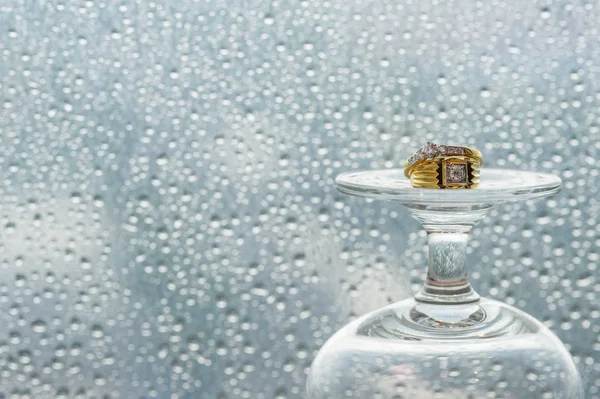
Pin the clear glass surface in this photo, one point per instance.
(447, 342)
(497, 185)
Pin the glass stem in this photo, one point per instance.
(448, 233)
(447, 277)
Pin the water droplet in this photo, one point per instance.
(269, 20)
(39, 326)
(162, 160)
(545, 13)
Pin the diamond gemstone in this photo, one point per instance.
(431, 150)
(455, 150)
(456, 173)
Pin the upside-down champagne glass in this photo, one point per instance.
(447, 341)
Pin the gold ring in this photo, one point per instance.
(443, 166)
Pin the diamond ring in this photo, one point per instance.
(444, 166)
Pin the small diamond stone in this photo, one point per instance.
(455, 150)
(456, 173)
(430, 150)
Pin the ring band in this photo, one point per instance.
(441, 166)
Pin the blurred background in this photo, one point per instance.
(169, 225)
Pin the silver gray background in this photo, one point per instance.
(169, 224)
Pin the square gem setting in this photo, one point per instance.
(456, 173)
